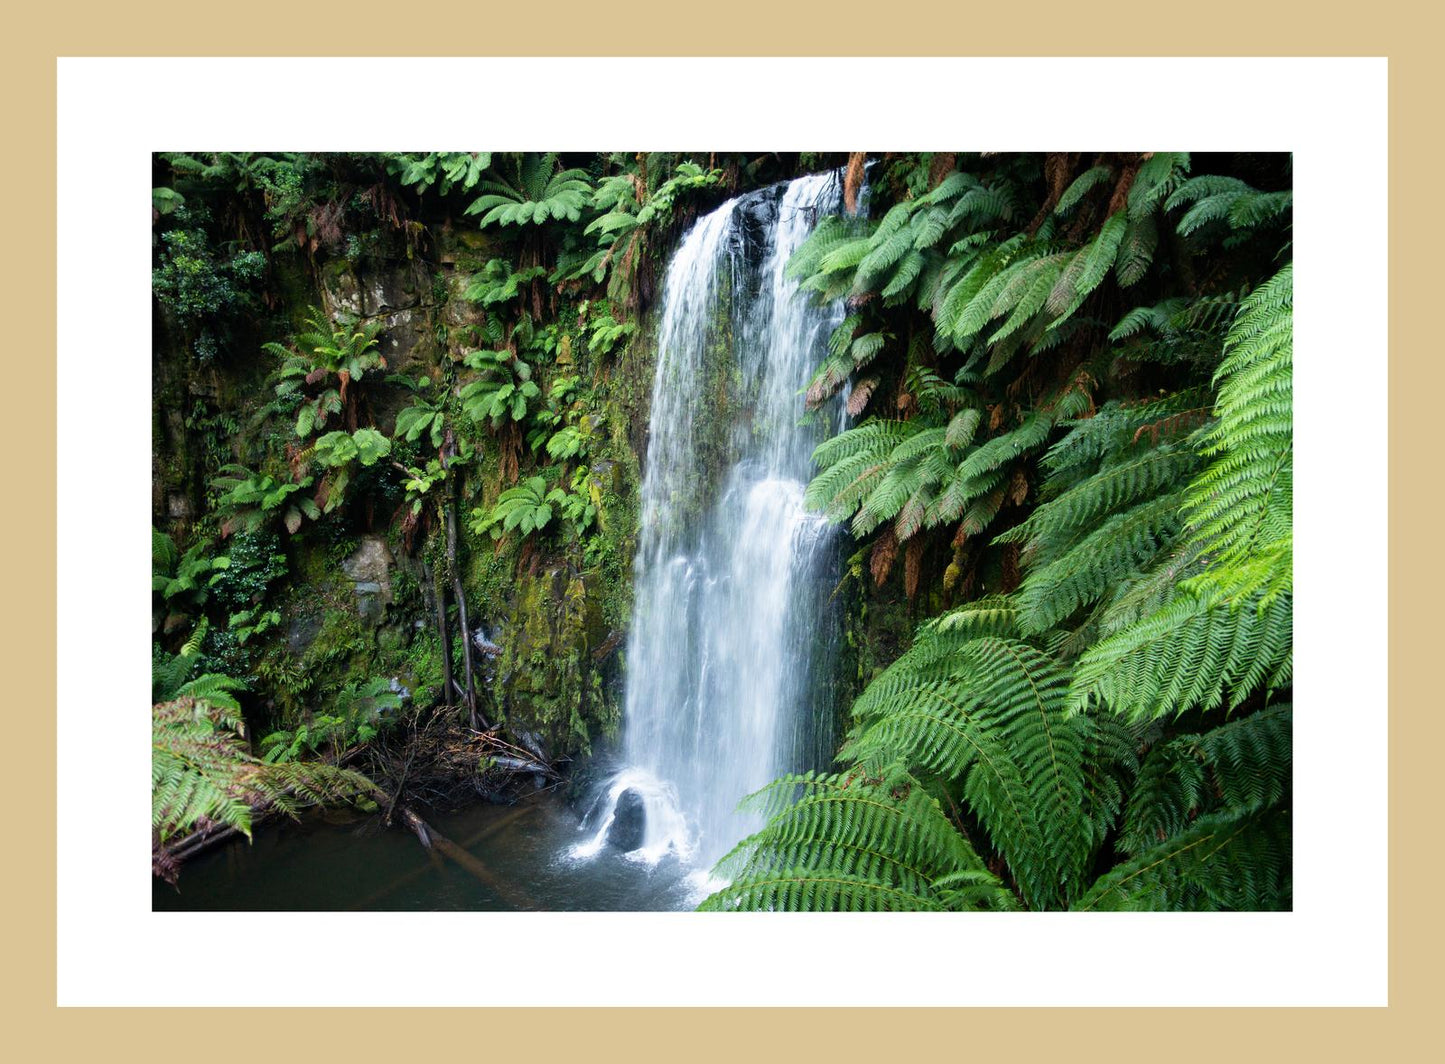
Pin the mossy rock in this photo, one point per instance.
(546, 678)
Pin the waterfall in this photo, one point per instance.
(730, 615)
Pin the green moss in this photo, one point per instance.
(546, 678)
(343, 652)
(420, 666)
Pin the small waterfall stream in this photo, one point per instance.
(730, 616)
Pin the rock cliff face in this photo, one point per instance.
(358, 600)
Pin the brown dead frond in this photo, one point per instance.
(853, 180)
(912, 566)
(885, 550)
(1010, 568)
(1058, 168)
(940, 167)
(1120, 198)
(1184, 421)
(509, 440)
(1018, 487)
(861, 393)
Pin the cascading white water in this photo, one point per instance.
(728, 617)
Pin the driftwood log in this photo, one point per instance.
(491, 829)
(464, 858)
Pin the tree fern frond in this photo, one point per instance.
(1193, 653)
(1089, 267)
(1055, 523)
(1239, 768)
(1001, 449)
(1042, 275)
(982, 206)
(1160, 175)
(1089, 566)
(202, 773)
(997, 719)
(1080, 187)
(1136, 249)
(1243, 503)
(1222, 862)
(963, 310)
(850, 843)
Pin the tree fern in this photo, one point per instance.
(444, 169)
(535, 193)
(1155, 576)
(998, 722)
(1230, 630)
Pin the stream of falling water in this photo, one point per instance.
(730, 622)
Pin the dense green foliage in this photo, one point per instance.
(1070, 379)
(1101, 415)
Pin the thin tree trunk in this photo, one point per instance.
(439, 586)
(471, 687)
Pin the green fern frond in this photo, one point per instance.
(997, 720)
(1242, 504)
(1089, 567)
(1239, 768)
(991, 615)
(1002, 449)
(1080, 187)
(1222, 862)
(1155, 180)
(163, 553)
(1042, 276)
(963, 309)
(1149, 472)
(1085, 271)
(1193, 653)
(849, 843)
(980, 206)
(216, 690)
(1136, 249)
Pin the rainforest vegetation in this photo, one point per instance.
(400, 428)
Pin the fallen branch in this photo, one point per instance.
(478, 837)
(435, 840)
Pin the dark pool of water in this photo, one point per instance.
(519, 862)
